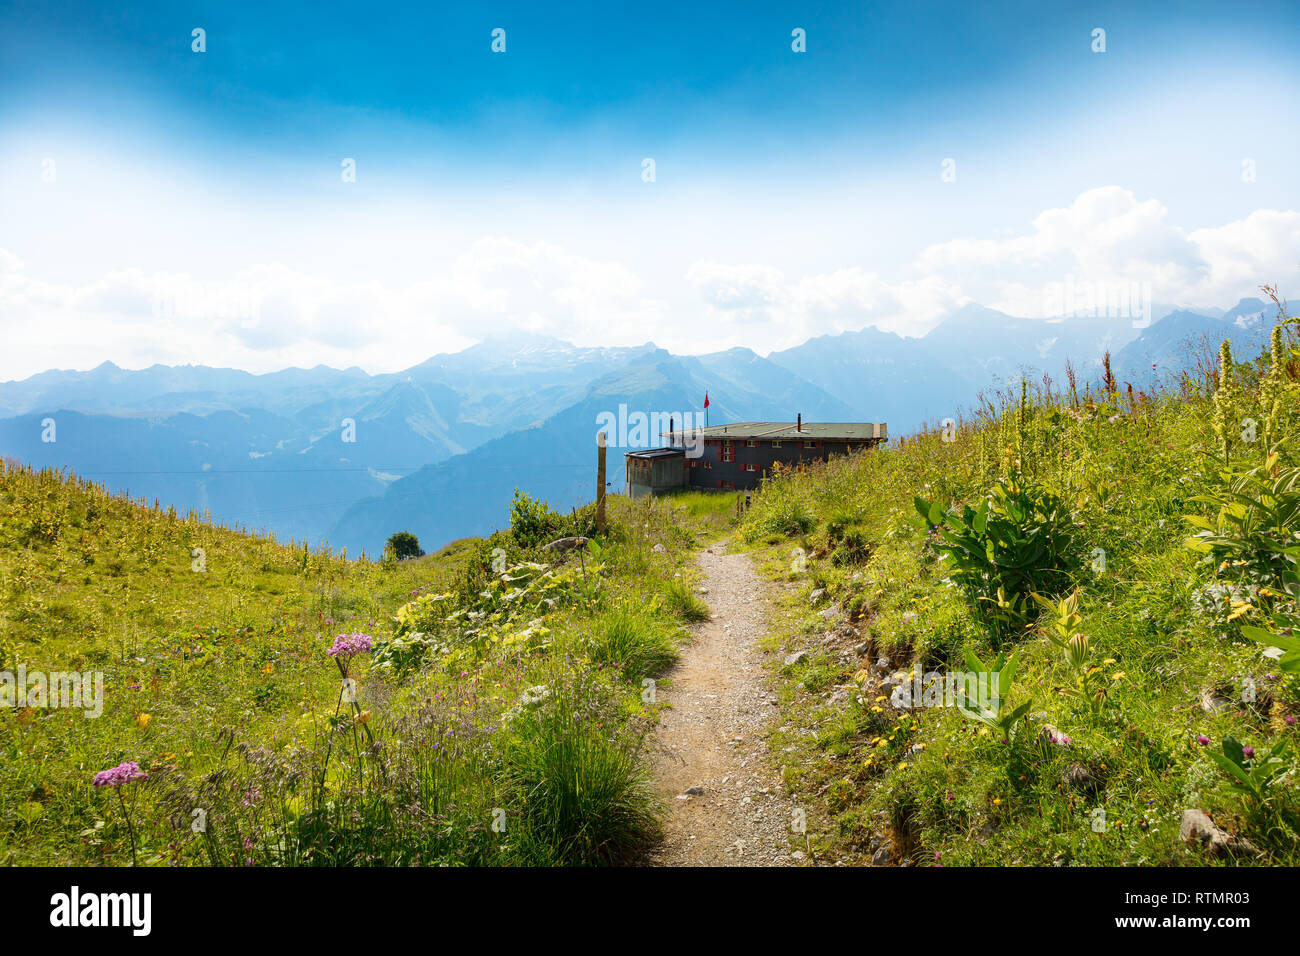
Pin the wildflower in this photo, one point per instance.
(363, 717)
(1118, 675)
(1202, 740)
(350, 645)
(142, 720)
(269, 668)
(902, 766)
(122, 773)
(1290, 721)
(1248, 751)
(1110, 660)
(997, 801)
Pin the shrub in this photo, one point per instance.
(403, 544)
(1018, 541)
(532, 522)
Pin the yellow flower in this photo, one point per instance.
(1238, 609)
(363, 717)
(984, 732)
(877, 710)
(902, 766)
(1118, 675)
(1109, 660)
(268, 669)
(997, 801)
(142, 720)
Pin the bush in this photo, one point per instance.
(533, 523)
(1017, 542)
(403, 544)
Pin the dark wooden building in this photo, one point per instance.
(738, 456)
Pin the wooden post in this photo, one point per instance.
(600, 483)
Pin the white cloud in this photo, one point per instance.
(1109, 238)
(271, 315)
(762, 300)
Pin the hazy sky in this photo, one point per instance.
(159, 204)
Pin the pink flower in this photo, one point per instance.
(350, 645)
(122, 773)
(1202, 740)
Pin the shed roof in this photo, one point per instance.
(825, 431)
(656, 452)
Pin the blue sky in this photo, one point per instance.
(795, 193)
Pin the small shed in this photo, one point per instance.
(652, 471)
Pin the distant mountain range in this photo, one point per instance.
(437, 449)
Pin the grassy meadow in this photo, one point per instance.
(1132, 557)
(499, 711)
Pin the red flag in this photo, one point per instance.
(706, 399)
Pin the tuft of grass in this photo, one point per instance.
(684, 602)
(632, 640)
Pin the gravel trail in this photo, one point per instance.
(710, 742)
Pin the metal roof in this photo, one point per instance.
(780, 431)
(656, 452)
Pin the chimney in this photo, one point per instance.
(671, 440)
(798, 424)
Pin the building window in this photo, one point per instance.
(728, 456)
(751, 444)
(750, 468)
(708, 464)
(776, 444)
(810, 444)
(692, 464)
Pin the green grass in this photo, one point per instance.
(1128, 467)
(212, 644)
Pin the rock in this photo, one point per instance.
(882, 664)
(696, 791)
(797, 855)
(1213, 700)
(829, 613)
(817, 596)
(1197, 827)
(1078, 777)
(565, 545)
(1051, 736)
(861, 650)
(659, 549)
(795, 658)
(880, 857)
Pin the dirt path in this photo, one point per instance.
(711, 738)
